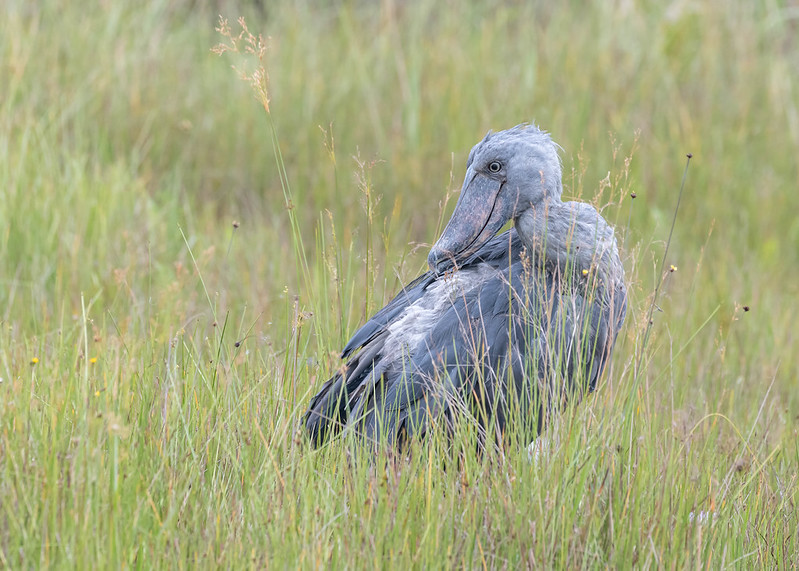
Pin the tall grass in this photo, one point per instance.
(164, 317)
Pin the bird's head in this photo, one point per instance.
(507, 174)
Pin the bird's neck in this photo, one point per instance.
(572, 237)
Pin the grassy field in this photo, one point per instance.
(173, 290)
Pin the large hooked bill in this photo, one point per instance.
(479, 214)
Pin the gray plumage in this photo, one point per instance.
(502, 328)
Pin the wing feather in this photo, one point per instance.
(519, 338)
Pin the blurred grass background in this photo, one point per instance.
(155, 356)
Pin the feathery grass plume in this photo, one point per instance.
(246, 44)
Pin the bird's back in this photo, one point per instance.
(503, 337)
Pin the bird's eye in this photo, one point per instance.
(494, 166)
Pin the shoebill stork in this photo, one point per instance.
(502, 328)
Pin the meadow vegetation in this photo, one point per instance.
(179, 267)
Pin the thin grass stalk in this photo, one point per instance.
(659, 283)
